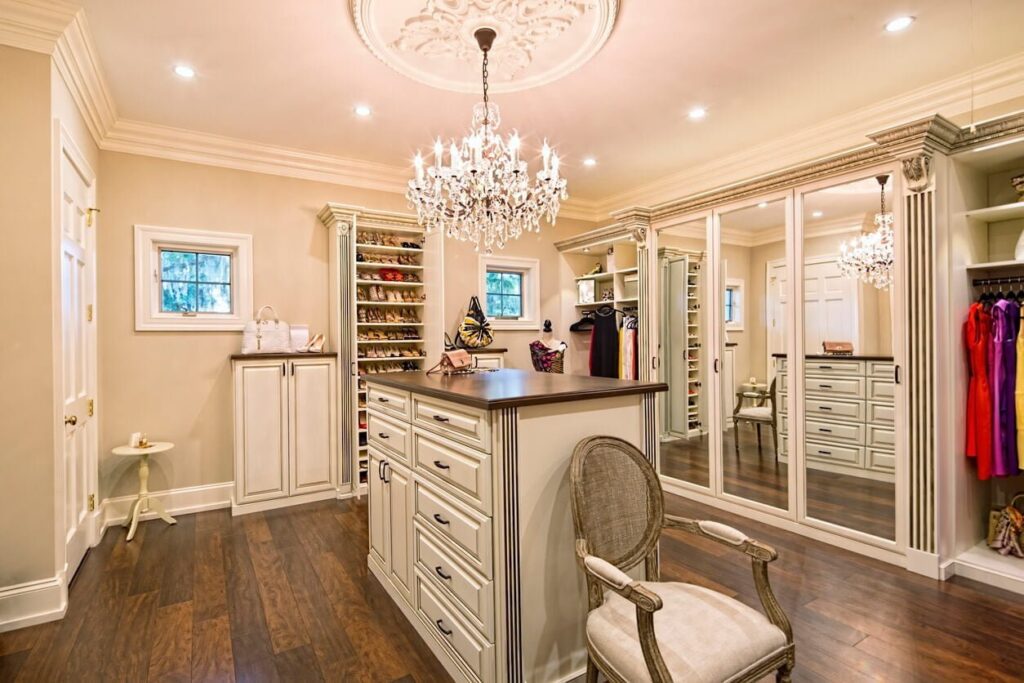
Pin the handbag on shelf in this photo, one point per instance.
(456, 362)
(1007, 537)
(837, 348)
(266, 335)
(475, 331)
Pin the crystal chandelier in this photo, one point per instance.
(484, 195)
(869, 257)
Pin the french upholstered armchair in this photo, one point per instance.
(662, 631)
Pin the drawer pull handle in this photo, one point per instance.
(821, 452)
(442, 629)
(440, 520)
(383, 435)
(825, 429)
(439, 418)
(824, 367)
(824, 386)
(825, 408)
(446, 577)
(441, 466)
(382, 399)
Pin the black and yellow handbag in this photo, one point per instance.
(475, 331)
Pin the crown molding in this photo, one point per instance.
(78, 63)
(33, 25)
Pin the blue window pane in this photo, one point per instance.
(494, 304)
(493, 282)
(512, 307)
(178, 297)
(177, 265)
(215, 268)
(214, 298)
(512, 283)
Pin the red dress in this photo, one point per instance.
(977, 331)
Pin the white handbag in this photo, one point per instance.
(266, 335)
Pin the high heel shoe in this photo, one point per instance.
(316, 345)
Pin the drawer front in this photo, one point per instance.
(462, 423)
(783, 403)
(470, 530)
(493, 360)
(850, 387)
(473, 593)
(831, 408)
(881, 460)
(880, 437)
(884, 413)
(881, 390)
(463, 471)
(453, 632)
(829, 452)
(783, 385)
(842, 431)
(392, 436)
(828, 367)
(883, 369)
(391, 401)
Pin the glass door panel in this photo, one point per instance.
(752, 353)
(849, 402)
(683, 278)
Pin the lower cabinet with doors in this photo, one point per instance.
(285, 430)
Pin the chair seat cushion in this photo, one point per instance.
(756, 413)
(703, 635)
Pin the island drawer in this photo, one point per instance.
(464, 424)
(880, 437)
(884, 413)
(840, 387)
(835, 408)
(462, 471)
(829, 452)
(455, 634)
(473, 593)
(883, 369)
(391, 401)
(392, 436)
(841, 431)
(834, 367)
(881, 389)
(881, 460)
(453, 521)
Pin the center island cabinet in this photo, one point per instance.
(471, 528)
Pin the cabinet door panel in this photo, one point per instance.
(261, 432)
(399, 520)
(313, 426)
(378, 511)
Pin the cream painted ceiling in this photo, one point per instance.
(289, 73)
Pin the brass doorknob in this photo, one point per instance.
(73, 420)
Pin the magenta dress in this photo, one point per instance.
(1003, 379)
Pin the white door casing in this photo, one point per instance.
(78, 471)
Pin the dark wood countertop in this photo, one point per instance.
(512, 388)
(836, 356)
(488, 349)
(277, 356)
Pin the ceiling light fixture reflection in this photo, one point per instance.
(899, 24)
(697, 113)
(817, 214)
(362, 110)
(185, 71)
(762, 205)
(590, 161)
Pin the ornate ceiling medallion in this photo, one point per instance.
(432, 41)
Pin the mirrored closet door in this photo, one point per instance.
(849, 403)
(684, 278)
(751, 317)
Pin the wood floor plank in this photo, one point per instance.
(298, 664)
(282, 615)
(11, 663)
(170, 653)
(251, 649)
(209, 586)
(24, 638)
(128, 653)
(212, 658)
(149, 569)
(176, 585)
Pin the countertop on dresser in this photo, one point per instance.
(509, 388)
(836, 356)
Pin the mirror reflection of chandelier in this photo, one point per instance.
(869, 257)
(484, 195)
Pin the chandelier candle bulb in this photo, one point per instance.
(554, 166)
(545, 152)
(418, 162)
(513, 147)
(439, 153)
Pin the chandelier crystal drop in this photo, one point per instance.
(484, 194)
(869, 257)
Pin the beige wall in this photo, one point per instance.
(176, 386)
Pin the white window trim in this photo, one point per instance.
(150, 239)
(530, 268)
(738, 304)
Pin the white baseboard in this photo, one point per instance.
(926, 564)
(33, 603)
(286, 501)
(177, 501)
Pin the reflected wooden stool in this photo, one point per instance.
(144, 503)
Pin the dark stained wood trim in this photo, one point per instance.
(277, 356)
(510, 388)
(837, 356)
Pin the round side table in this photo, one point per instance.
(144, 503)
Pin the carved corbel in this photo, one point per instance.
(918, 172)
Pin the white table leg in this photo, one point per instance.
(131, 512)
(136, 514)
(161, 512)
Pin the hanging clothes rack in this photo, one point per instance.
(984, 282)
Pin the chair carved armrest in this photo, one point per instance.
(760, 555)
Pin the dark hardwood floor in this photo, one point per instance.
(286, 596)
(854, 502)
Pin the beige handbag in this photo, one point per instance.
(266, 335)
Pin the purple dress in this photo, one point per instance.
(1003, 380)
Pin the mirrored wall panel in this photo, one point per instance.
(685, 334)
(752, 297)
(849, 404)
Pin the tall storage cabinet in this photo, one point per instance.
(285, 425)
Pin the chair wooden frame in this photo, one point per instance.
(760, 397)
(609, 573)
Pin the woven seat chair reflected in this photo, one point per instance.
(662, 631)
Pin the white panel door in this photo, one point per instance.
(78, 351)
(312, 425)
(378, 510)
(398, 482)
(261, 438)
(777, 308)
(830, 305)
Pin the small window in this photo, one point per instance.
(734, 305)
(192, 279)
(505, 294)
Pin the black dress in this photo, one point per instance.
(604, 345)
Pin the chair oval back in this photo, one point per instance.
(617, 504)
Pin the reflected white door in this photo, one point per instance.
(777, 305)
(830, 305)
(78, 350)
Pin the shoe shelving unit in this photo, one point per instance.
(694, 383)
(384, 318)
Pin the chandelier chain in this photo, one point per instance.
(487, 100)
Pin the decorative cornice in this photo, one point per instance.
(591, 238)
(991, 131)
(77, 62)
(344, 216)
(931, 134)
(33, 25)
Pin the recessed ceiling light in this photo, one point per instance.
(697, 113)
(185, 71)
(362, 110)
(899, 24)
(586, 249)
(817, 214)
(590, 161)
(762, 205)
